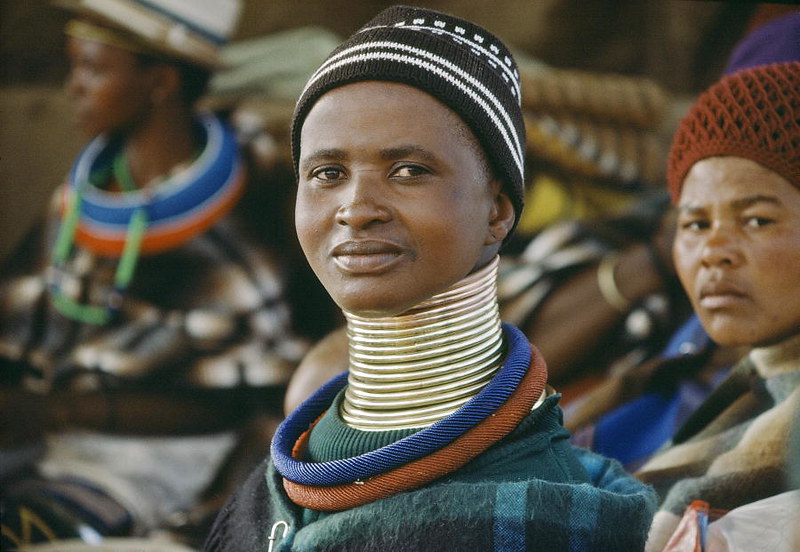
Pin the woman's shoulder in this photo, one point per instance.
(537, 449)
(242, 521)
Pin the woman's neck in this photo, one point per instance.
(413, 369)
(779, 358)
(160, 145)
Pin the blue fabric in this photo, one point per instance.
(638, 428)
(690, 334)
(635, 430)
(418, 445)
(583, 517)
(775, 41)
(510, 509)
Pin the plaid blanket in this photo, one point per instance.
(731, 452)
(211, 313)
(611, 513)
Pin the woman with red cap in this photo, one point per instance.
(734, 175)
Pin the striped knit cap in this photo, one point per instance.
(462, 65)
(753, 113)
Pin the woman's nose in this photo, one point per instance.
(721, 247)
(364, 203)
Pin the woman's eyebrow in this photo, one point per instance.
(738, 204)
(690, 208)
(331, 154)
(398, 152)
(749, 201)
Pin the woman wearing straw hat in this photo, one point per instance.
(149, 308)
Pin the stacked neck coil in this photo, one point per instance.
(411, 370)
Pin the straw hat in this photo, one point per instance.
(187, 30)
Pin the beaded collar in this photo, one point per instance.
(177, 209)
(140, 221)
(479, 409)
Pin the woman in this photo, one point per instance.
(408, 144)
(149, 307)
(734, 174)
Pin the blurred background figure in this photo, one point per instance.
(145, 320)
(638, 408)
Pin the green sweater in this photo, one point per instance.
(547, 456)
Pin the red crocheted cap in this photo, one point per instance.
(753, 113)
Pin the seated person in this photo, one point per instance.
(408, 145)
(734, 175)
(654, 398)
(145, 304)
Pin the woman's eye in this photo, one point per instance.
(328, 174)
(409, 171)
(693, 225)
(758, 222)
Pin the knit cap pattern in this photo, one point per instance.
(753, 113)
(459, 63)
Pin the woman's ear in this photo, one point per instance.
(501, 219)
(166, 83)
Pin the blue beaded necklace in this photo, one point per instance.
(135, 221)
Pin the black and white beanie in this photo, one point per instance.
(459, 63)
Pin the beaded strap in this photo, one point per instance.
(433, 466)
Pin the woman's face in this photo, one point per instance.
(737, 250)
(395, 200)
(111, 90)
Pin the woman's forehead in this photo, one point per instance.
(399, 109)
(732, 180)
(383, 94)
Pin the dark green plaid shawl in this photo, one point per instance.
(612, 513)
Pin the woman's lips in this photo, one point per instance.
(366, 257)
(721, 295)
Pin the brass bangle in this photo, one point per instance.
(608, 283)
